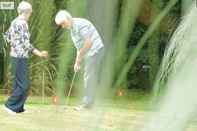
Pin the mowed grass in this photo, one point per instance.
(117, 114)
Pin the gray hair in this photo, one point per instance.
(24, 7)
(62, 15)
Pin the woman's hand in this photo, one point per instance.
(44, 54)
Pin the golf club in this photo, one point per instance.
(71, 86)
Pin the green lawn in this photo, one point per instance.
(119, 114)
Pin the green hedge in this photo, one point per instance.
(1, 68)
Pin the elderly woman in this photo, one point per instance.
(89, 47)
(19, 38)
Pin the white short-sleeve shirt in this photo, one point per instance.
(82, 29)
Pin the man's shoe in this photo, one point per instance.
(79, 108)
(82, 107)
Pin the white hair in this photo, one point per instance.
(61, 16)
(24, 7)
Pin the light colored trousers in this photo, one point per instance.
(92, 75)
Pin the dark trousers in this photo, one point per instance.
(20, 85)
(92, 77)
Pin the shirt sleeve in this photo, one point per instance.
(22, 36)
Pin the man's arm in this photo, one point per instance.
(80, 54)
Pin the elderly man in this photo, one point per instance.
(89, 47)
(19, 38)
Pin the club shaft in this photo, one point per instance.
(71, 86)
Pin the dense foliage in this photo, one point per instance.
(49, 74)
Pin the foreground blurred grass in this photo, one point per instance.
(126, 113)
(109, 114)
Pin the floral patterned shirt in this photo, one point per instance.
(19, 38)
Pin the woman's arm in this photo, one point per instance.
(21, 29)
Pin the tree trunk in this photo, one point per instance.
(153, 44)
(1, 67)
(103, 14)
(186, 5)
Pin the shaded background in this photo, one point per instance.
(121, 23)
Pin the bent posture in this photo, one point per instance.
(89, 47)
